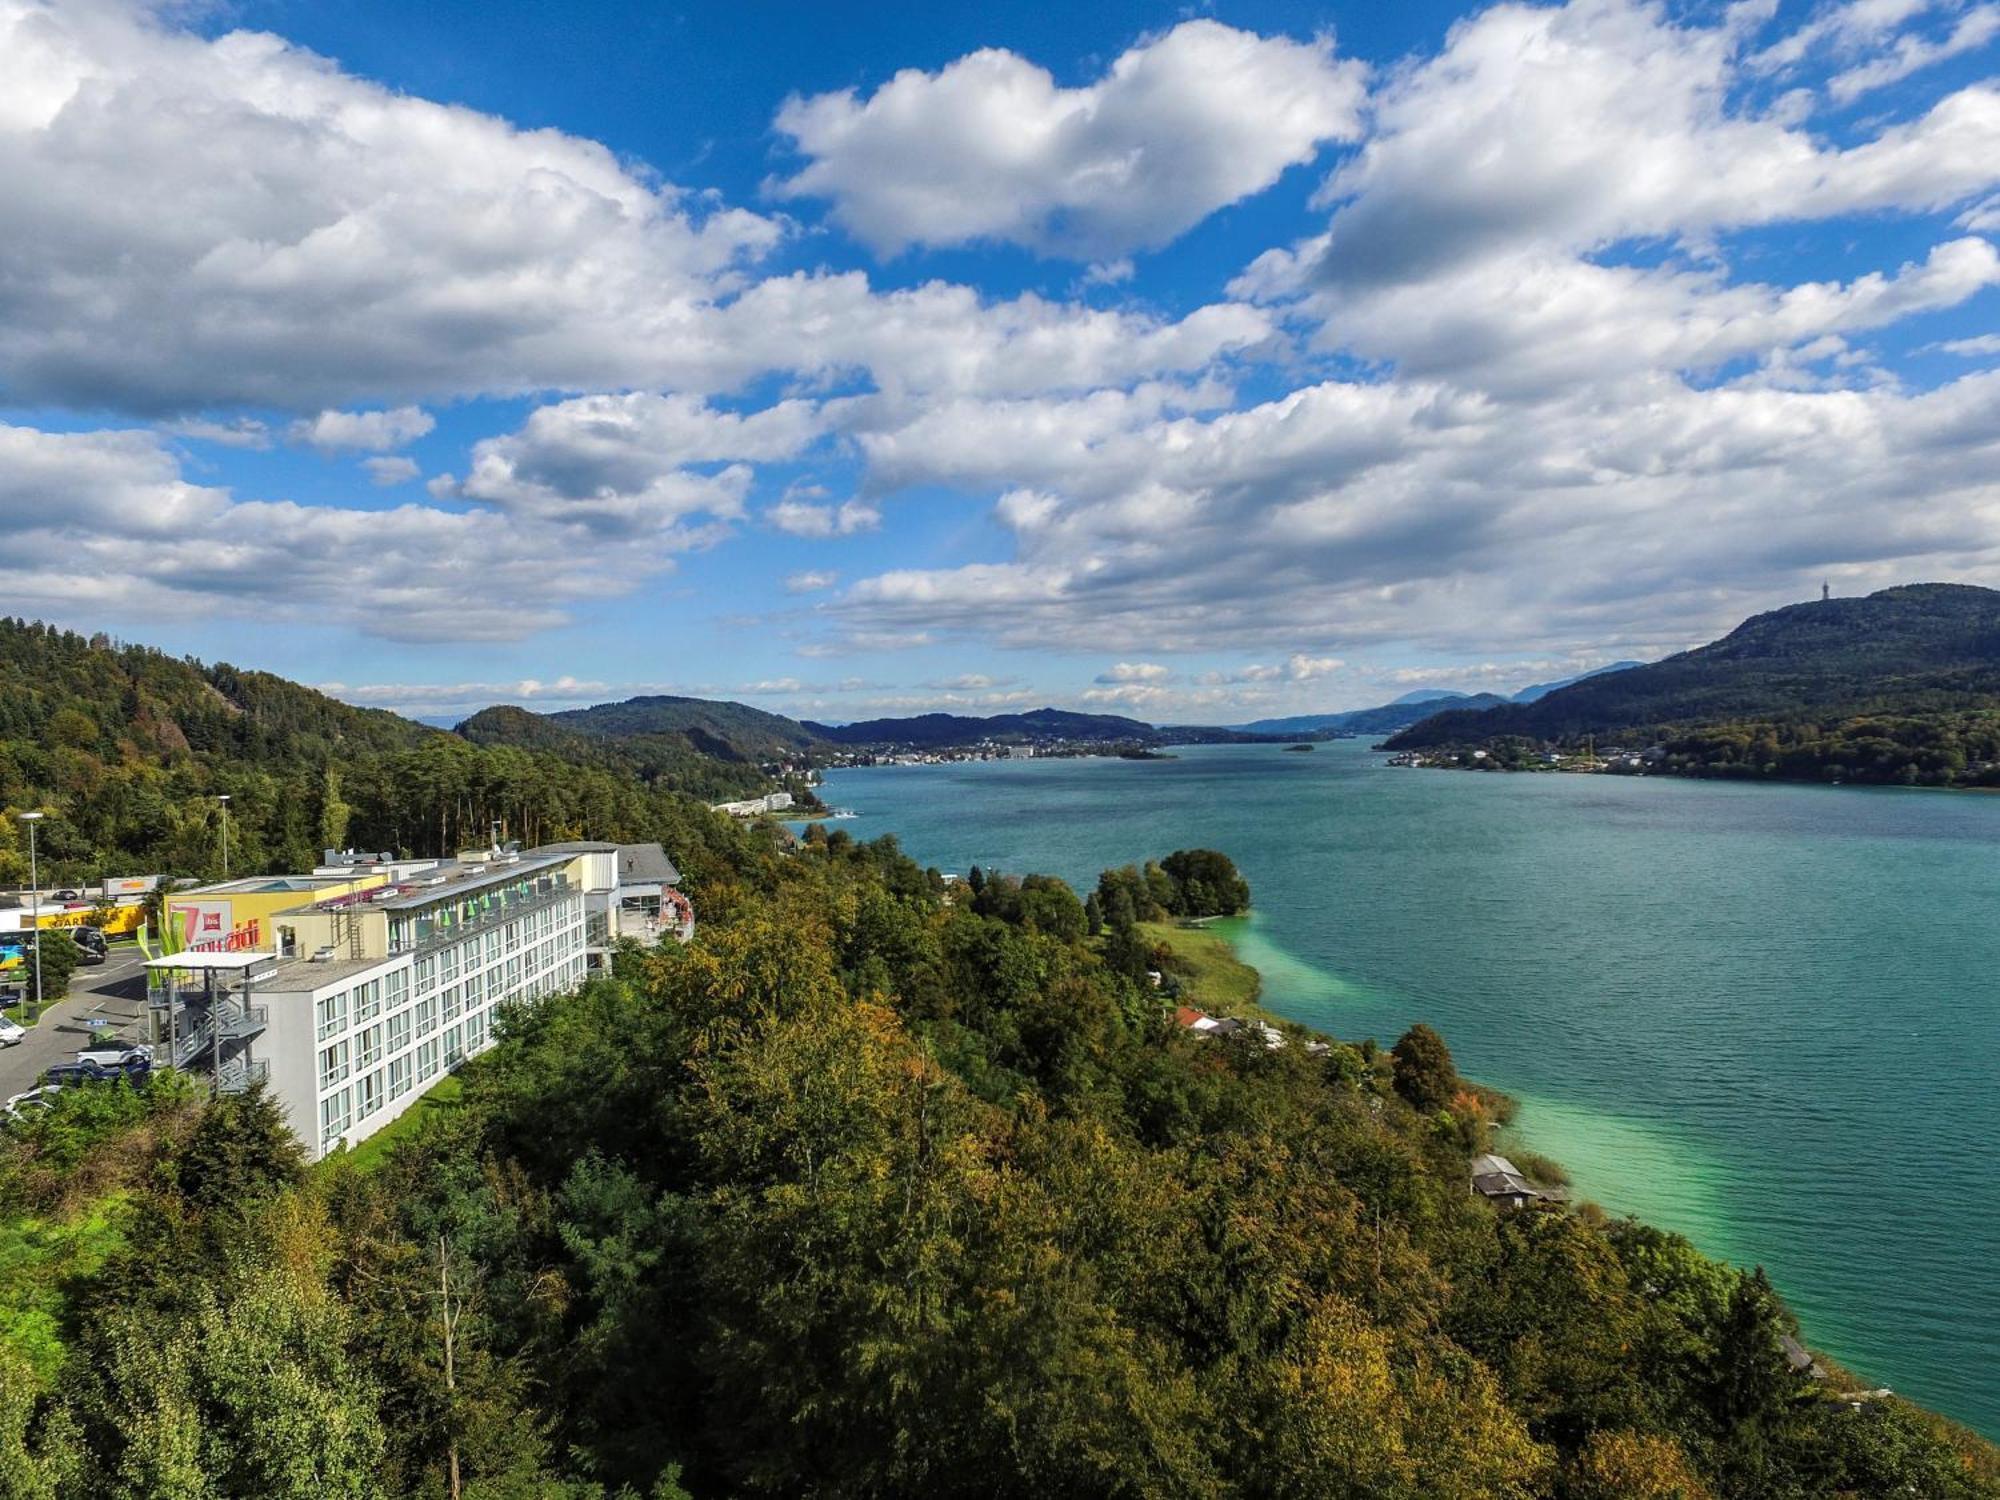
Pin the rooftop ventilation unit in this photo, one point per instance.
(321, 956)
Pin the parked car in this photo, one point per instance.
(69, 895)
(87, 1072)
(11, 1032)
(90, 939)
(20, 1106)
(112, 1053)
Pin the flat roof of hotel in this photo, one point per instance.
(266, 885)
(443, 882)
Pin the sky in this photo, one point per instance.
(1201, 364)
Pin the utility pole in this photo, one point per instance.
(35, 889)
(223, 798)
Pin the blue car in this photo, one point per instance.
(91, 1072)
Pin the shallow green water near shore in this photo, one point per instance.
(1762, 1015)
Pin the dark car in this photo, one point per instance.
(91, 943)
(89, 1072)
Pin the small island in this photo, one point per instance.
(1299, 749)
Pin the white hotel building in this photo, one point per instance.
(351, 1005)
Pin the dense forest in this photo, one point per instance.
(885, 1186)
(1902, 686)
(129, 750)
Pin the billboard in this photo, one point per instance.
(130, 885)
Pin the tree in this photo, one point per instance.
(1424, 1072)
(1207, 883)
(60, 958)
(1627, 1465)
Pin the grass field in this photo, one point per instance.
(1212, 977)
(442, 1095)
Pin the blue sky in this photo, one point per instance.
(1196, 364)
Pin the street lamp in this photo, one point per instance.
(223, 798)
(35, 886)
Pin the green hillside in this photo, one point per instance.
(713, 750)
(128, 750)
(710, 725)
(1901, 685)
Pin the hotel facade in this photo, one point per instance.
(350, 991)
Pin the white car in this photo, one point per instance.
(116, 1054)
(11, 1032)
(22, 1105)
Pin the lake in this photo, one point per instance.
(1761, 1015)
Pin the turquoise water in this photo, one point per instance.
(1761, 1015)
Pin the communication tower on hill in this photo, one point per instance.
(1825, 592)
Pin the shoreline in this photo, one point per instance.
(1504, 1111)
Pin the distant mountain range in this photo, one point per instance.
(1916, 650)
(941, 731)
(1413, 708)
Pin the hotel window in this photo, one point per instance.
(401, 1071)
(448, 966)
(513, 936)
(427, 1058)
(454, 1046)
(368, 1000)
(398, 985)
(475, 1031)
(332, 1119)
(427, 972)
(331, 1013)
(399, 1031)
(370, 1047)
(513, 975)
(368, 1096)
(452, 1002)
(427, 1015)
(492, 946)
(333, 1065)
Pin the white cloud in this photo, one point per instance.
(1974, 29)
(1973, 348)
(810, 582)
(618, 463)
(991, 147)
(804, 518)
(128, 538)
(198, 223)
(387, 471)
(1135, 672)
(365, 431)
(1579, 126)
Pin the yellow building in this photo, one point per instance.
(239, 914)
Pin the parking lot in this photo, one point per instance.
(114, 992)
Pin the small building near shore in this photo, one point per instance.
(1502, 1184)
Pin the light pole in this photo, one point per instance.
(35, 887)
(223, 798)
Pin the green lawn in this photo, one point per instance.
(1212, 977)
(441, 1096)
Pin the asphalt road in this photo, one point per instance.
(115, 992)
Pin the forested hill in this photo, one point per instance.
(938, 731)
(712, 749)
(68, 691)
(128, 750)
(749, 731)
(1919, 650)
